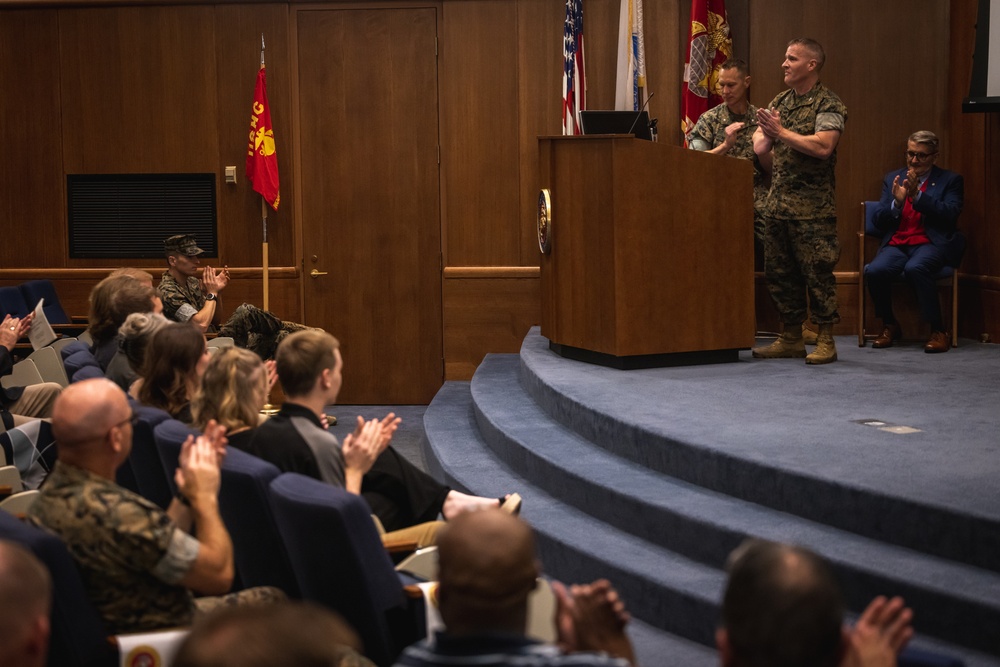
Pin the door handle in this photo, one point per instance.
(316, 274)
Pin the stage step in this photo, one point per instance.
(672, 594)
(666, 588)
(732, 428)
(705, 525)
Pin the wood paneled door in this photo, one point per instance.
(371, 219)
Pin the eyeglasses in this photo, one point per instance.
(919, 157)
(132, 418)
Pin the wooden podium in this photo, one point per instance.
(651, 257)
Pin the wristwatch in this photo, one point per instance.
(211, 297)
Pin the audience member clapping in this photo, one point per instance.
(487, 568)
(20, 405)
(233, 389)
(783, 608)
(171, 374)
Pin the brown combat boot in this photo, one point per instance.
(788, 346)
(808, 335)
(826, 349)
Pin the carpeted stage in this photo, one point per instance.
(886, 462)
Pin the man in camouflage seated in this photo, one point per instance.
(139, 564)
(186, 298)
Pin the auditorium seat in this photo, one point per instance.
(36, 290)
(143, 471)
(260, 555)
(340, 562)
(80, 362)
(78, 637)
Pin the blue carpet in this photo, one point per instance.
(650, 477)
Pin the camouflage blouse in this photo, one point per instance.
(130, 554)
(802, 187)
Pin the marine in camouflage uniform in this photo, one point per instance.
(131, 555)
(249, 326)
(801, 247)
(798, 135)
(710, 131)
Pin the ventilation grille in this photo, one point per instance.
(129, 215)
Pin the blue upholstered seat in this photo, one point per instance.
(261, 558)
(78, 636)
(339, 562)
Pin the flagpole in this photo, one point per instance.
(263, 214)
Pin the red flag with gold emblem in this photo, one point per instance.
(709, 45)
(262, 161)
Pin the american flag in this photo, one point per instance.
(574, 82)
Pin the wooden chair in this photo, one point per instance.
(947, 277)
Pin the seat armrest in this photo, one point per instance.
(399, 546)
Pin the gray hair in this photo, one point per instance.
(135, 334)
(925, 137)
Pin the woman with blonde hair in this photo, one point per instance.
(233, 390)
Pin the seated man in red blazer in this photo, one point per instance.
(917, 216)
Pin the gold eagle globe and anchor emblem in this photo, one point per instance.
(544, 221)
(707, 40)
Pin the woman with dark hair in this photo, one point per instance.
(175, 361)
(111, 301)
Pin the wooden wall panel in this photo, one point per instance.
(479, 133)
(486, 314)
(31, 175)
(666, 52)
(139, 89)
(600, 26)
(539, 108)
(237, 52)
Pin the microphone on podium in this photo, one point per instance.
(638, 114)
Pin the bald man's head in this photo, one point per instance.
(486, 570)
(85, 414)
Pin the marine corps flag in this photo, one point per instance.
(709, 46)
(262, 161)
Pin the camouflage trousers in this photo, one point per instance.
(258, 330)
(259, 595)
(799, 258)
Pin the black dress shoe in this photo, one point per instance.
(940, 342)
(888, 336)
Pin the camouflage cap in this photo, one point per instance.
(182, 244)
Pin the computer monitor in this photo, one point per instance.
(617, 122)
